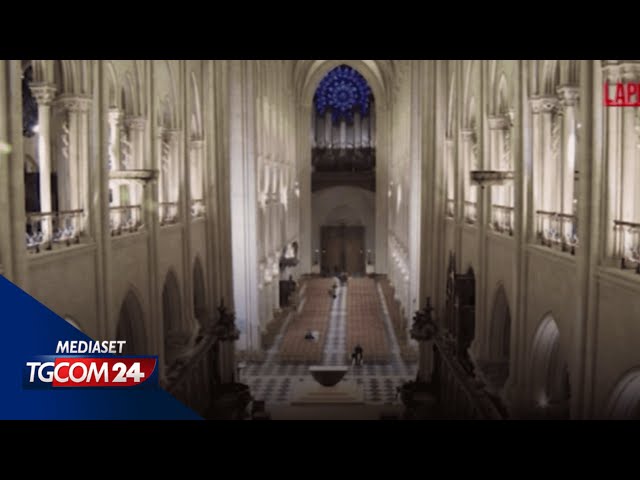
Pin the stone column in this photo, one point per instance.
(113, 117)
(197, 164)
(67, 105)
(136, 127)
(568, 100)
(549, 195)
(173, 138)
(467, 152)
(537, 163)
(43, 94)
(83, 105)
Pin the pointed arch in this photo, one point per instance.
(469, 97)
(320, 68)
(196, 109)
(130, 325)
(168, 112)
(549, 373)
(112, 85)
(624, 400)
(451, 108)
(500, 327)
(171, 304)
(550, 77)
(502, 95)
(128, 95)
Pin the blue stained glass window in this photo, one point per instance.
(343, 91)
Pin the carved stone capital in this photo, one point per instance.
(196, 144)
(171, 134)
(568, 95)
(468, 134)
(74, 103)
(44, 93)
(630, 71)
(114, 115)
(499, 122)
(546, 104)
(611, 70)
(135, 123)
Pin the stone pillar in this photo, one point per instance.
(68, 187)
(468, 135)
(83, 106)
(549, 195)
(173, 138)
(197, 164)
(113, 152)
(43, 94)
(568, 100)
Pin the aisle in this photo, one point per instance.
(272, 380)
(335, 346)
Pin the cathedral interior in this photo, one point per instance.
(337, 239)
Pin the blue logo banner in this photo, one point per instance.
(29, 331)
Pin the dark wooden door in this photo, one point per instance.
(354, 250)
(343, 249)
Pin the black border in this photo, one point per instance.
(264, 31)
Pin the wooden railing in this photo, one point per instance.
(45, 229)
(451, 208)
(125, 219)
(197, 208)
(461, 396)
(193, 376)
(555, 229)
(627, 244)
(502, 219)
(470, 212)
(168, 213)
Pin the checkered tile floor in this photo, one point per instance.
(272, 382)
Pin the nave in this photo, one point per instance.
(358, 314)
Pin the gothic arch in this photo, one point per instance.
(451, 109)
(550, 77)
(570, 72)
(167, 100)
(549, 374)
(502, 96)
(130, 325)
(469, 96)
(171, 304)
(624, 400)
(128, 96)
(500, 327)
(112, 86)
(197, 130)
(367, 69)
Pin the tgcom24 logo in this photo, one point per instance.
(83, 364)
